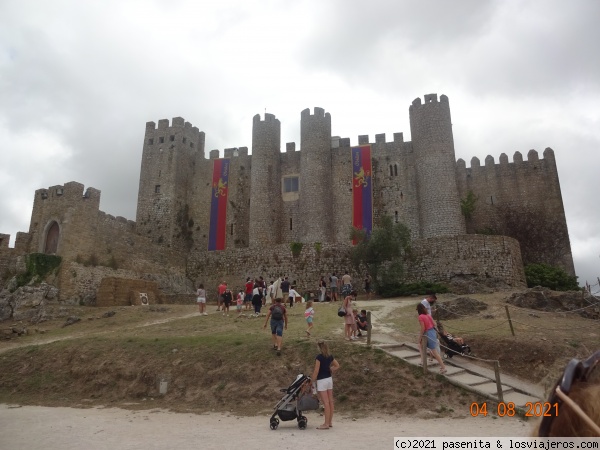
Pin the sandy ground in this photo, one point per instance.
(36, 427)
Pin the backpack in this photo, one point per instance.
(277, 313)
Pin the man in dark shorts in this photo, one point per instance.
(333, 284)
(279, 321)
(227, 299)
(368, 286)
(249, 287)
(221, 289)
(285, 288)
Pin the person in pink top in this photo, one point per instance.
(428, 332)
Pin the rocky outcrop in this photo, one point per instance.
(27, 303)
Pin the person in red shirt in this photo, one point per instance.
(248, 291)
(428, 332)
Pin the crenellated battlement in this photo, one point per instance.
(68, 191)
(176, 126)
(318, 112)
(532, 157)
(429, 99)
(268, 118)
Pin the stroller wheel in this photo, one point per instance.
(274, 423)
(302, 422)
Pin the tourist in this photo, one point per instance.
(201, 299)
(239, 301)
(428, 331)
(429, 301)
(257, 298)
(325, 367)
(279, 322)
(346, 284)
(285, 288)
(276, 292)
(368, 286)
(349, 319)
(270, 293)
(249, 288)
(221, 290)
(293, 294)
(361, 322)
(323, 289)
(309, 314)
(227, 299)
(333, 280)
(263, 287)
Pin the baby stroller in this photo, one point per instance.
(452, 347)
(287, 407)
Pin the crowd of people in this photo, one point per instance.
(281, 294)
(577, 391)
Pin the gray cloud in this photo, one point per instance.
(79, 80)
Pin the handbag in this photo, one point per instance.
(341, 311)
(307, 402)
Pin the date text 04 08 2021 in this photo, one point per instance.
(532, 409)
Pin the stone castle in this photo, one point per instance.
(511, 213)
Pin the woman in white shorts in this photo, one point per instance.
(201, 299)
(325, 366)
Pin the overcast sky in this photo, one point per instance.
(79, 80)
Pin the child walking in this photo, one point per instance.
(239, 301)
(308, 315)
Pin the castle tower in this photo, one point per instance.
(315, 176)
(165, 181)
(265, 181)
(433, 146)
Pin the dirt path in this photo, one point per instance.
(35, 427)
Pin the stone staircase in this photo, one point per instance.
(461, 372)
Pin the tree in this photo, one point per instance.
(383, 252)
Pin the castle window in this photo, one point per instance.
(184, 140)
(396, 170)
(161, 140)
(157, 189)
(391, 171)
(191, 145)
(172, 138)
(59, 191)
(151, 141)
(231, 232)
(290, 223)
(396, 216)
(290, 184)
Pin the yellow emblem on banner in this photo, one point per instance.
(361, 178)
(220, 188)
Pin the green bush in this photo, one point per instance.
(405, 289)
(551, 277)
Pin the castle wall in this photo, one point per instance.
(475, 257)
(442, 259)
(92, 238)
(521, 199)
